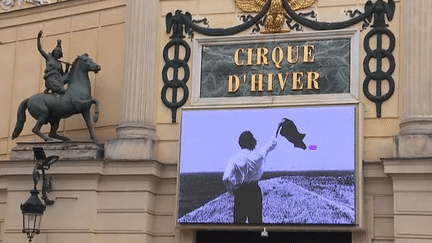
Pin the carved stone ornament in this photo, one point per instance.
(6, 4)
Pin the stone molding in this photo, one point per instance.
(65, 150)
(411, 179)
(407, 166)
(416, 125)
(99, 167)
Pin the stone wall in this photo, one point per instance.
(139, 195)
(377, 133)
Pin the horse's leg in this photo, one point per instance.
(86, 116)
(53, 131)
(96, 116)
(36, 129)
(88, 103)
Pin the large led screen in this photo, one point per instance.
(273, 166)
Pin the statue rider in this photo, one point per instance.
(55, 77)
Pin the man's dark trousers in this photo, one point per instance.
(248, 203)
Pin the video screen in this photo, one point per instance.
(272, 166)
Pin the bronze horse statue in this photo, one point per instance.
(50, 107)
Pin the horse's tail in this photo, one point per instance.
(21, 118)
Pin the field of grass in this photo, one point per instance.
(325, 199)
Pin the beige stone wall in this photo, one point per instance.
(94, 27)
(378, 133)
(96, 201)
(98, 28)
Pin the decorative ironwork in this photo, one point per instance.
(379, 75)
(258, 25)
(175, 23)
(180, 23)
(43, 163)
(378, 11)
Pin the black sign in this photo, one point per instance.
(273, 237)
(274, 68)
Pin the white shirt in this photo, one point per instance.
(246, 166)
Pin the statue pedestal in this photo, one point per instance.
(65, 150)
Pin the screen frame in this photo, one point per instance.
(359, 197)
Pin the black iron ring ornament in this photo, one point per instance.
(183, 23)
(175, 83)
(379, 75)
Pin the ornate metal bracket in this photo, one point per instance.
(42, 164)
(183, 23)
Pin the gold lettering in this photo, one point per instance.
(260, 82)
(297, 83)
(237, 59)
(277, 56)
(283, 80)
(313, 80)
(244, 78)
(233, 83)
(262, 56)
(270, 82)
(290, 58)
(250, 57)
(307, 54)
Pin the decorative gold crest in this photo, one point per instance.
(276, 14)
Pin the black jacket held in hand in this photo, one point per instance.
(289, 130)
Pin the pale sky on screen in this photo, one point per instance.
(210, 137)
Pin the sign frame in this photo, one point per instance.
(309, 99)
(359, 193)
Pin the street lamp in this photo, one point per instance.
(32, 211)
(33, 208)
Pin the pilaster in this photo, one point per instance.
(415, 138)
(136, 134)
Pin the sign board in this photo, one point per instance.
(269, 68)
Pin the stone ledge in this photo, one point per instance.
(65, 150)
(408, 166)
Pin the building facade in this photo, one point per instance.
(131, 194)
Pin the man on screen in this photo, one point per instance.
(241, 177)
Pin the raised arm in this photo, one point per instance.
(269, 146)
(39, 45)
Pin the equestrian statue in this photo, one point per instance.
(56, 102)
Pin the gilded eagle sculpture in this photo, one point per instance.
(276, 14)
